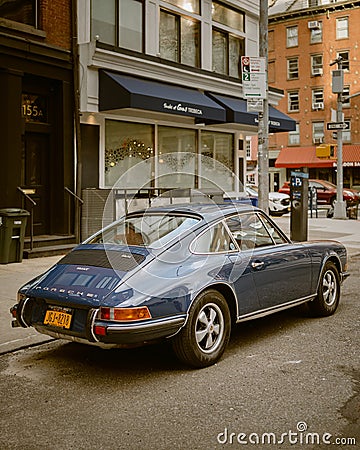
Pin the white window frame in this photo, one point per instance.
(342, 27)
(293, 72)
(316, 64)
(294, 136)
(318, 132)
(316, 34)
(293, 99)
(292, 36)
(345, 61)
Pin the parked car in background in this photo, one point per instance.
(326, 192)
(184, 273)
(279, 203)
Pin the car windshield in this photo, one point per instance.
(147, 230)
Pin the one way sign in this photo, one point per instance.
(338, 126)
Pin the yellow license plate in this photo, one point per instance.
(57, 319)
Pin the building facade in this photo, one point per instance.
(161, 95)
(305, 39)
(36, 126)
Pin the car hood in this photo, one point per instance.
(277, 196)
(88, 274)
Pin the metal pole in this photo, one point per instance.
(339, 205)
(263, 126)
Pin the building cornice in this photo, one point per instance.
(317, 10)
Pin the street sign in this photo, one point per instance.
(253, 77)
(255, 105)
(337, 126)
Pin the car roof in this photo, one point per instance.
(207, 211)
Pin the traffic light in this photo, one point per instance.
(326, 151)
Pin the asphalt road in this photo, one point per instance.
(287, 378)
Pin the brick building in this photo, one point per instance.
(305, 37)
(36, 126)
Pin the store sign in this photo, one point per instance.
(180, 108)
(34, 108)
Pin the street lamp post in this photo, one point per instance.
(337, 87)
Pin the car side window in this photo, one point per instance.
(215, 240)
(274, 233)
(249, 231)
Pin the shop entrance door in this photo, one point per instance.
(36, 179)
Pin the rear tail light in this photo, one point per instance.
(125, 314)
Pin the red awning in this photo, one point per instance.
(296, 157)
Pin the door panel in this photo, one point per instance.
(281, 274)
(36, 179)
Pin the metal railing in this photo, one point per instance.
(79, 201)
(32, 203)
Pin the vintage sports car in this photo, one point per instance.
(181, 272)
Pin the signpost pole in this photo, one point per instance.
(340, 205)
(263, 126)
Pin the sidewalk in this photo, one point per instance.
(14, 275)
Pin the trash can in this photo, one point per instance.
(12, 234)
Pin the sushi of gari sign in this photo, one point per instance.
(253, 74)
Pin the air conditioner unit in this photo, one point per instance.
(313, 25)
(317, 71)
(319, 105)
(318, 140)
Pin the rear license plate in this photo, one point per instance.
(58, 317)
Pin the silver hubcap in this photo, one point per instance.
(209, 328)
(329, 288)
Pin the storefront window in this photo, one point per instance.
(22, 11)
(216, 146)
(176, 157)
(126, 145)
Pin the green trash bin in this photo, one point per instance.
(12, 234)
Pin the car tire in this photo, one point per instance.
(206, 334)
(328, 294)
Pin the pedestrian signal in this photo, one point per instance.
(326, 151)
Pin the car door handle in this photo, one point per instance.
(257, 264)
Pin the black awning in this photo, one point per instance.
(236, 112)
(118, 91)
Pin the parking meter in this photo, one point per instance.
(299, 182)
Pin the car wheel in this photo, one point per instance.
(328, 295)
(206, 334)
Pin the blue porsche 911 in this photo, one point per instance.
(187, 273)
